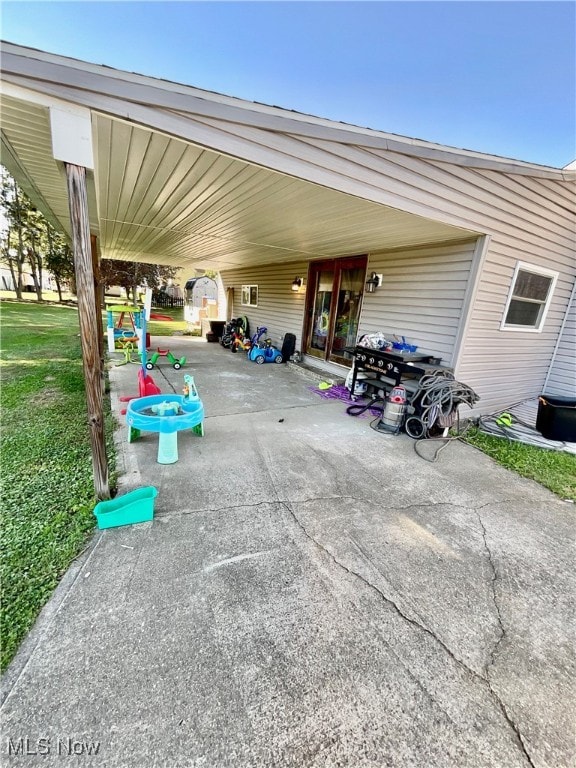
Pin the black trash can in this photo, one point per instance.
(556, 418)
(216, 329)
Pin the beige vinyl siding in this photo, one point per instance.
(506, 366)
(422, 296)
(562, 374)
(279, 308)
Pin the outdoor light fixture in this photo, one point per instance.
(373, 282)
(296, 283)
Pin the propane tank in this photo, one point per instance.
(394, 410)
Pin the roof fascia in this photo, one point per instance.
(40, 70)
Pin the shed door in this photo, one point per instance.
(333, 303)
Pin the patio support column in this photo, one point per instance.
(90, 322)
(98, 301)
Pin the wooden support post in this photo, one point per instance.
(99, 302)
(90, 323)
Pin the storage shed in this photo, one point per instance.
(471, 256)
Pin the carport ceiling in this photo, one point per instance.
(160, 199)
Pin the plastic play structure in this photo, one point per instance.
(166, 414)
(239, 341)
(117, 332)
(262, 351)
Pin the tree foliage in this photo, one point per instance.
(28, 241)
(131, 274)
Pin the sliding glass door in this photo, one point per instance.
(333, 305)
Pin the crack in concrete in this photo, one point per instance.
(502, 634)
(494, 579)
(421, 627)
(163, 374)
(227, 508)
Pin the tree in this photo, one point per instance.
(27, 238)
(12, 250)
(34, 228)
(59, 259)
(131, 274)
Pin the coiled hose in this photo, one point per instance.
(437, 401)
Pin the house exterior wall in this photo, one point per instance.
(279, 308)
(562, 374)
(525, 218)
(512, 365)
(422, 296)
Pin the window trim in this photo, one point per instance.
(248, 289)
(526, 267)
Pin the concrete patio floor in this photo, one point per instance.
(310, 593)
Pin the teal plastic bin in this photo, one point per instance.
(134, 507)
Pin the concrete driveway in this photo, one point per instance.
(310, 593)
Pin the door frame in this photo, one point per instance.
(337, 264)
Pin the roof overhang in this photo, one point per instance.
(168, 187)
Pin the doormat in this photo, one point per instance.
(339, 392)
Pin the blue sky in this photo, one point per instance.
(496, 77)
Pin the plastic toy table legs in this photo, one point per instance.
(167, 443)
(167, 448)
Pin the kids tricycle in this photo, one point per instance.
(174, 362)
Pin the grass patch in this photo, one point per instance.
(555, 470)
(176, 323)
(46, 484)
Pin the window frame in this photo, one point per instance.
(526, 267)
(246, 291)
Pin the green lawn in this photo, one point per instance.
(555, 470)
(167, 327)
(46, 482)
(176, 324)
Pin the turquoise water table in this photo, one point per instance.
(166, 414)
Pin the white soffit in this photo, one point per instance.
(163, 199)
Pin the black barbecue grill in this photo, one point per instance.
(394, 367)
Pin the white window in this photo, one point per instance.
(529, 298)
(249, 296)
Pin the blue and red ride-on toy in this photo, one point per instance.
(265, 354)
